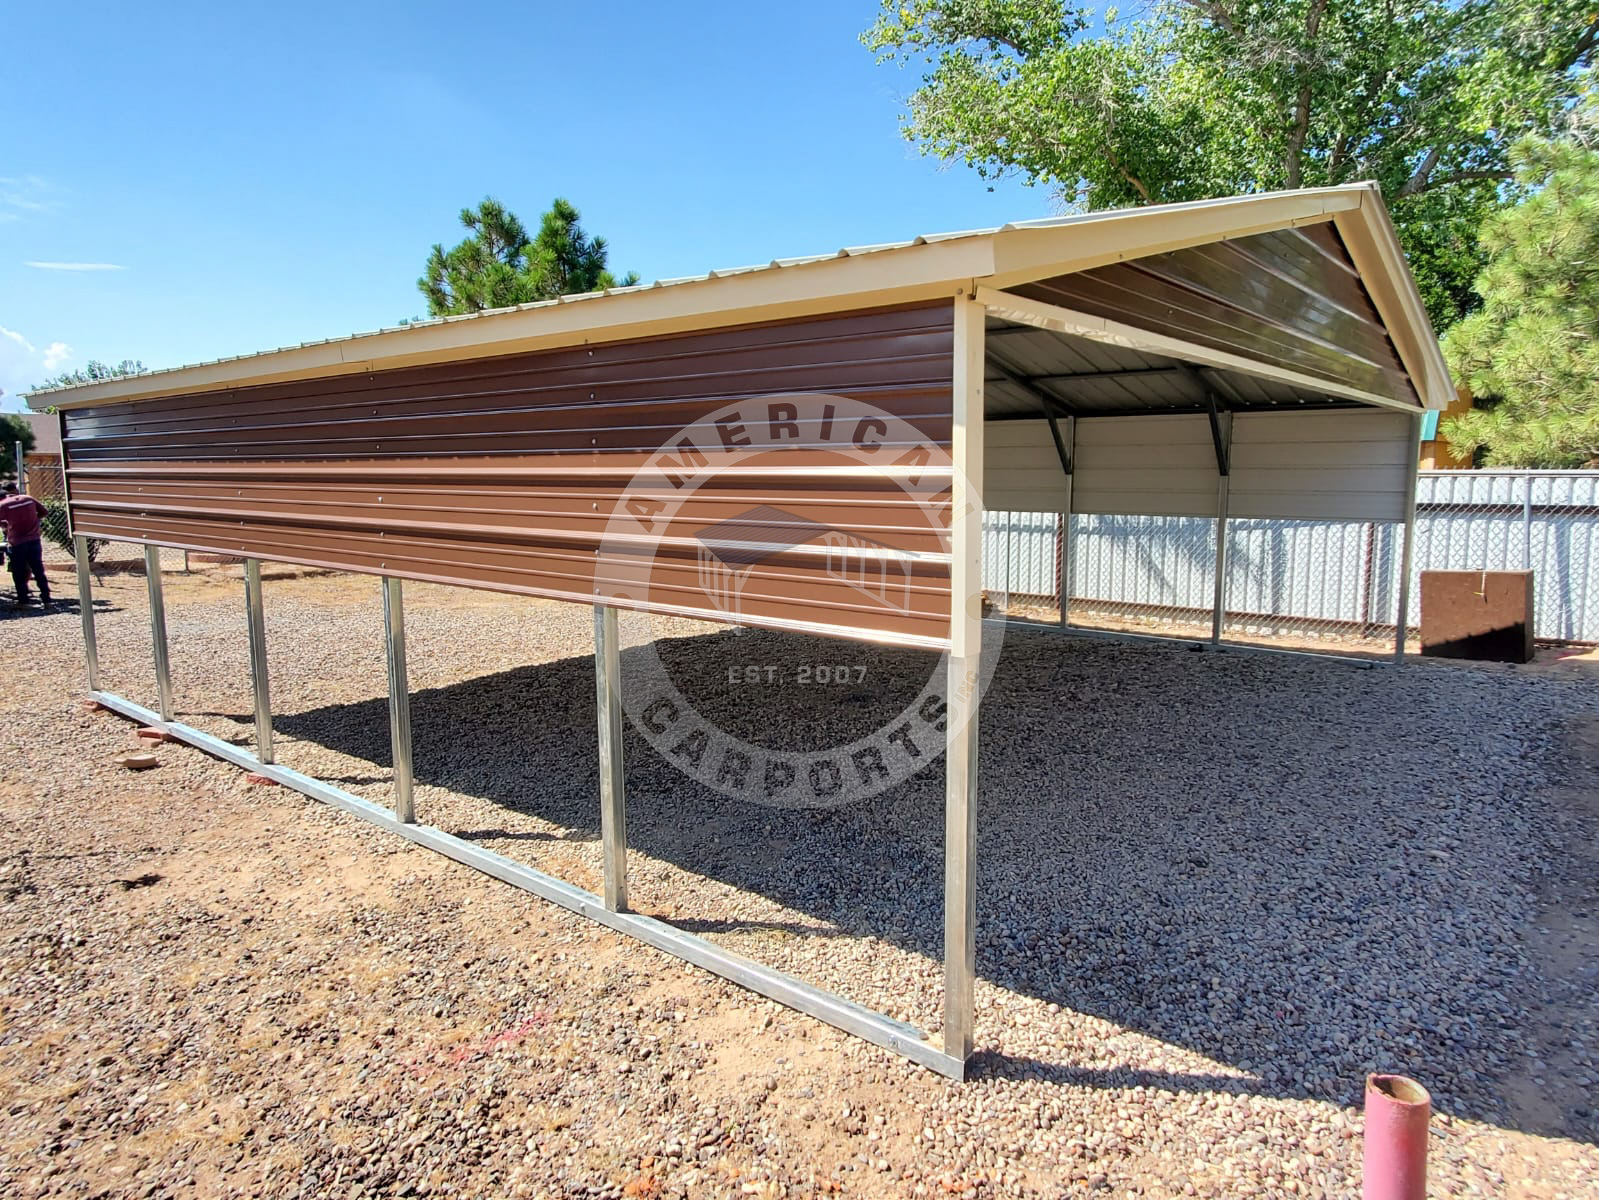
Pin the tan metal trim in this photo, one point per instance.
(1373, 246)
(1101, 238)
(896, 275)
(964, 676)
(1101, 329)
(878, 280)
(966, 493)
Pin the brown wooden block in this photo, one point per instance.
(1483, 615)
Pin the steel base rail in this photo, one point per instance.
(844, 1014)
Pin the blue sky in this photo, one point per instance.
(183, 181)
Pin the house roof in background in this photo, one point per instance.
(46, 432)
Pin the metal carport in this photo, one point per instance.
(1265, 355)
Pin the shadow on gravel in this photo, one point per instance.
(522, 835)
(1015, 1066)
(1300, 870)
(10, 610)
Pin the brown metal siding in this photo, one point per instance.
(503, 472)
(1292, 297)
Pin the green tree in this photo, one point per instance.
(1201, 98)
(1531, 353)
(497, 264)
(13, 429)
(94, 371)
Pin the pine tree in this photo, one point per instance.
(1531, 354)
(497, 265)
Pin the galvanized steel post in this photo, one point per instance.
(965, 664)
(613, 792)
(1224, 449)
(399, 697)
(1066, 527)
(1407, 546)
(158, 630)
(91, 650)
(259, 681)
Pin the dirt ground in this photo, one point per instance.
(211, 988)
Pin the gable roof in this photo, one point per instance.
(924, 267)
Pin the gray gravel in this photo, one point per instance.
(1215, 890)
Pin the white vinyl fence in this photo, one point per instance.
(1323, 580)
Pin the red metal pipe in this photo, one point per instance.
(1397, 1113)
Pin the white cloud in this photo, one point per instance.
(22, 365)
(21, 194)
(75, 266)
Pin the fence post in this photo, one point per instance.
(1407, 546)
(1526, 524)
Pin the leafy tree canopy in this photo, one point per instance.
(14, 429)
(498, 264)
(1200, 98)
(93, 372)
(1531, 353)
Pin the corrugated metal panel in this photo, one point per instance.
(1021, 468)
(503, 472)
(1349, 464)
(1077, 228)
(1020, 556)
(1291, 297)
(1145, 466)
(1338, 572)
(1143, 562)
(1092, 378)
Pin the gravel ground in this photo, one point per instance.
(1215, 890)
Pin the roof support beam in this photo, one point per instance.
(1222, 384)
(1223, 457)
(1061, 452)
(1101, 329)
(1028, 384)
(1047, 402)
(1110, 376)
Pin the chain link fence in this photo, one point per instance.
(1321, 585)
(42, 478)
(1543, 521)
(1142, 574)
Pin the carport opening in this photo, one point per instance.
(1139, 494)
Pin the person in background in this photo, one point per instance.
(20, 515)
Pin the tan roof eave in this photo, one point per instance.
(905, 275)
(1025, 255)
(1373, 246)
